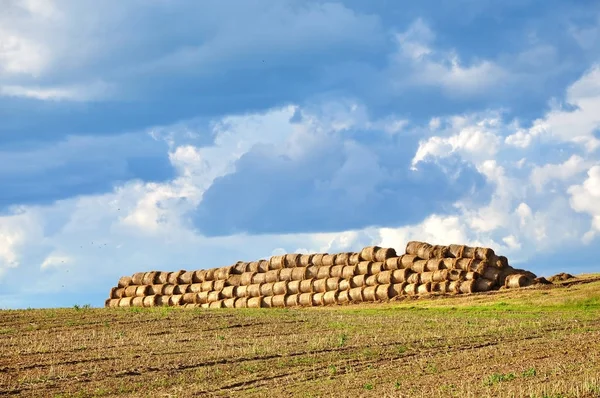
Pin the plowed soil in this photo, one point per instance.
(532, 342)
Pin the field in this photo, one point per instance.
(534, 342)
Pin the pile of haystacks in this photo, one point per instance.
(373, 274)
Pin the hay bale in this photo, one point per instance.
(175, 299)
(305, 299)
(434, 264)
(491, 273)
(254, 302)
(259, 277)
(234, 280)
(363, 268)
(312, 271)
(207, 286)
(223, 273)
(186, 278)
(126, 302)
(356, 295)
(424, 289)
(285, 274)
(292, 300)
(456, 251)
(332, 283)
(125, 281)
(253, 266)
(393, 263)
(384, 292)
(219, 284)
(400, 275)
(229, 292)
(306, 286)
(240, 267)
(449, 263)
(465, 264)
(241, 291)
(324, 272)
(306, 260)
(384, 277)
(266, 289)
(136, 291)
(280, 288)
(156, 289)
(407, 260)
(344, 284)
(376, 268)
(425, 251)
(454, 287)
(194, 288)
(484, 253)
(329, 259)
(483, 285)
(292, 260)
(216, 304)
(168, 290)
(189, 298)
(277, 262)
(318, 259)
(317, 299)
(278, 301)
(516, 281)
(343, 297)
(348, 271)
(440, 251)
(371, 280)
(181, 289)
(455, 274)
(213, 296)
(320, 285)
(412, 247)
(137, 278)
(264, 266)
(336, 271)
(369, 293)
(414, 277)
(241, 302)
(298, 273)
(343, 258)
(368, 253)
(112, 303)
(440, 275)
(229, 302)
(210, 274)
(330, 297)
(467, 286)
(161, 278)
(426, 277)
(247, 277)
(202, 297)
(354, 259)
(293, 287)
(397, 289)
(173, 277)
(560, 277)
(358, 281)
(419, 266)
(272, 276)
(411, 289)
(205, 305)
(117, 293)
(384, 253)
(439, 287)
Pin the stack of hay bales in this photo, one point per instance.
(373, 274)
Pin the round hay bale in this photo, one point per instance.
(266, 289)
(173, 277)
(424, 289)
(483, 285)
(455, 274)
(383, 292)
(400, 275)
(259, 277)
(266, 302)
(440, 275)
(324, 272)
(272, 276)
(241, 291)
(348, 271)
(320, 285)
(469, 252)
(440, 251)
(369, 293)
(246, 278)
(491, 273)
(516, 281)
(210, 274)
(202, 297)
(414, 278)
(425, 251)
(368, 253)
(205, 305)
(426, 277)
(112, 303)
(358, 281)
(412, 247)
(264, 266)
(383, 253)
(336, 271)
(161, 278)
(126, 302)
(305, 299)
(253, 267)
(376, 268)
(398, 289)
(454, 287)
(332, 284)
(293, 287)
(117, 293)
(434, 264)
(330, 297)
(125, 281)
(344, 284)
(329, 259)
(407, 260)
(216, 304)
(168, 290)
(392, 263)
(456, 251)
(298, 273)
(411, 289)
(214, 296)
(384, 277)
(312, 271)
(470, 275)
(175, 299)
(278, 301)
(356, 295)
(280, 288)
(241, 267)
(292, 300)
(130, 291)
(181, 289)
(141, 291)
(439, 287)
(219, 284)
(502, 262)
(306, 286)
(223, 273)
(306, 260)
(449, 263)
(230, 302)
(137, 278)
(342, 258)
(285, 274)
(229, 291)
(156, 289)
(189, 298)
(277, 262)
(241, 302)
(186, 278)
(207, 286)
(343, 297)
(464, 264)
(371, 280)
(234, 280)
(354, 259)
(317, 299)
(318, 259)
(467, 286)
(292, 260)
(363, 267)
(484, 253)
(254, 302)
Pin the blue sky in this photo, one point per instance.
(171, 135)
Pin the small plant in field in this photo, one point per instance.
(221, 338)
(368, 386)
(529, 372)
(397, 385)
(86, 306)
(342, 340)
(499, 377)
(332, 369)
(76, 307)
(136, 310)
(401, 349)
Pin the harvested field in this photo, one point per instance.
(541, 341)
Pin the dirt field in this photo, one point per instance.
(542, 342)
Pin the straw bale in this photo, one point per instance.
(491, 273)
(469, 252)
(502, 262)
(156, 289)
(454, 287)
(317, 298)
(332, 283)
(336, 271)
(234, 280)
(318, 259)
(306, 286)
(434, 264)
(419, 266)
(254, 302)
(292, 260)
(202, 297)
(426, 277)
(137, 278)
(214, 296)
(210, 274)
(411, 289)
(424, 288)
(348, 271)
(306, 260)
(384, 277)
(439, 287)
(223, 273)
(363, 267)
(148, 278)
(343, 297)
(298, 273)
(383, 292)
(292, 300)
(440, 251)
(252, 266)
(483, 285)
(125, 281)
(229, 291)
(219, 284)
(280, 288)
(425, 251)
(393, 263)
(397, 289)
(407, 260)
(230, 302)
(247, 277)
(400, 275)
(467, 286)
(293, 287)
(456, 274)
(168, 290)
(207, 286)
(162, 300)
(193, 288)
(356, 294)
(216, 304)
(371, 280)
(358, 281)
(117, 293)
(324, 272)
(136, 291)
(329, 259)
(272, 276)
(441, 275)
(185, 278)
(354, 259)
(330, 297)
(266, 302)
(161, 278)
(305, 299)
(484, 253)
(264, 266)
(266, 289)
(344, 284)
(343, 258)
(173, 277)
(516, 281)
(449, 262)
(189, 298)
(376, 268)
(384, 253)
(241, 291)
(112, 303)
(312, 271)
(277, 262)
(285, 274)
(465, 264)
(456, 251)
(278, 301)
(241, 302)
(240, 267)
(175, 299)
(205, 305)
(368, 253)
(320, 285)
(126, 302)
(259, 277)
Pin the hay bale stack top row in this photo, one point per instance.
(373, 274)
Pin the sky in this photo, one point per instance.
(167, 135)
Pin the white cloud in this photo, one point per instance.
(97, 90)
(585, 198)
(56, 260)
(542, 175)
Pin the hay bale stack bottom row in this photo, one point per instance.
(373, 274)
